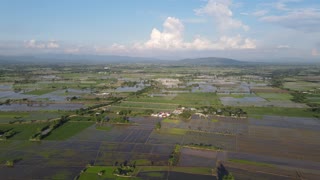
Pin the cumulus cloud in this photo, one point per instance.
(315, 52)
(72, 50)
(302, 19)
(52, 45)
(305, 20)
(283, 4)
(194, 20)
(281, 46)
(221, 13)
(171, 39)
(114, 48)
(260, 12)
(41, 45)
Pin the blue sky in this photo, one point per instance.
(242, 29)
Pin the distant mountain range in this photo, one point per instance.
(107, 59)
(71, 58)
(212, 61)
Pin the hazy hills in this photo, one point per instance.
(100, 59)
(211, 61)
(108, 59)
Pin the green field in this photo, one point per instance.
(175, 131)
(81, 118)
(104, 128)
(242, 161)
(128, 104)
(183, 99)
(24, 131)
(197, 99)
(258, 112)
(152, 172)
(174, 121)
(301, 85)
(92, 173)
(6, 117)
(276, 96)
(313, 98)
(39, 91)
(67, 130)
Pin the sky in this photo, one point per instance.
(275, 30)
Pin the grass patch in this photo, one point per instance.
(174, 121)
(197, 99)
(152, 172)
(67, 130)
(301, 85)
(92, 173)
(175, 131)
(6, 117)
(81, 118)
(155, 174)
(214, 120)
(277, 111)
(40, 91)
(104, 128)
(242, 161)
(130, 104)
(23, 131)
(276, 96)
(190, 170)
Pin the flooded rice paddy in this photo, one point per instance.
(263, 140)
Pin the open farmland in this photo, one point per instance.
(173, 122)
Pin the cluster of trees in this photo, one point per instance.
(225, 111)
(45, 131)
(158, 125)
(129, 83)
(7, 134)
(119, 119)
(144, 90)
(6, 102)
(186, 114)
(175, 155)
(223, 173)
(125, 112)
(315, 108)
(276, 82)
(125, 169)
(299, 97)
(10, 163)
(232, 111)
(205, 146)
(87, 110)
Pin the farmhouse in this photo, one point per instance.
(168, 82)
(161, 114)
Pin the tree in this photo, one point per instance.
(228, 177)
(158, 125)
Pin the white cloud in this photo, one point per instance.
(34, 44)
(282, 4)
(221, 13)
(305, 20)
(194, 20)
(52, 45)
(315, 52)
(260, 12)
(72, 50)
(283, 46)
(41, 45)
(171, 39)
